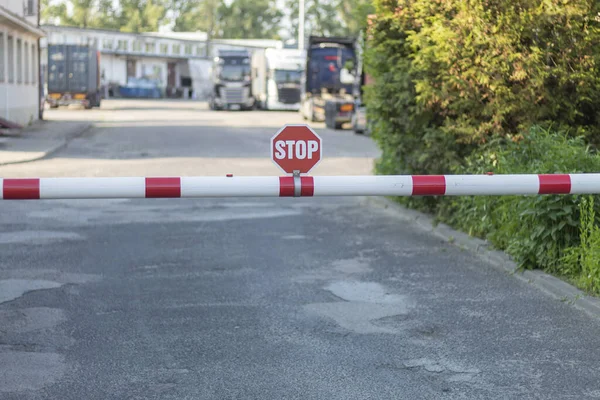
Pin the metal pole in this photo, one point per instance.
(298, 186)
(301, 20)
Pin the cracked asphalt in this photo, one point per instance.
(324, 298)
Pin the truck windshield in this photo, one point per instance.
(287, 76)
(235, 73)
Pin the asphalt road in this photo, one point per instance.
(323, 298)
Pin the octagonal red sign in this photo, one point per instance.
(296, 148)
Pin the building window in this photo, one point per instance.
(122, 45)
(19, 61)
(34, 64)
(31, 9)
(26, 63)
(150, 48)
(10, 48)
(137, 46)
(176, 49)
(164, 48)
(188, 49)
(107, 44)
(1, 57)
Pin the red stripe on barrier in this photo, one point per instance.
(555, 184)
(163, 187)
(429, 185)
(286, 186)
(308, 186)
(21, 189)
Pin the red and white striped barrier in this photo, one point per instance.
(300, 186)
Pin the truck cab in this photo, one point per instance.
(231, 79)
(277, 76)
(328, 81)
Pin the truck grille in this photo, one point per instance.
(289, 95)
(233, 95)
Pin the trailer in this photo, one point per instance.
(231, 81)
(73, 75)
(328, 80)
(276, 78)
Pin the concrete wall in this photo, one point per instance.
(19, 100)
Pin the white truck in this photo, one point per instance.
(276, 78)
(232, 84)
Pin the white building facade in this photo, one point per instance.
(124, 57)
(179, 62)
(19, 61)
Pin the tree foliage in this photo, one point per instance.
(129, 16)
(330, 17)
(249, 19)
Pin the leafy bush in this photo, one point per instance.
(451, 75)
(474, 86)
(583, 261)
(535, 230)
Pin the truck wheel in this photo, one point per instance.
(338, 125)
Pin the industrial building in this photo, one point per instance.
(177, 62)
(19, 62)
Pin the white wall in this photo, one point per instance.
(19, 100)
(114, 69)
(16, 7)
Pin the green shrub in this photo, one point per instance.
(535, 230)
(583, 261)
(451, 75)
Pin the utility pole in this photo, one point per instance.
(301, 26)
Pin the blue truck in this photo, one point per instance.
(73, 75)
(328, 83)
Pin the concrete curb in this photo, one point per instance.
(551, 285)
(76, 132)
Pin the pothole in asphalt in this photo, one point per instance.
(369, 292)
(31, 319)
(366, 305)
(38, 237)
(11, 289)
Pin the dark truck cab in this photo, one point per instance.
(232, 83)
(73, 75)
(329, 79)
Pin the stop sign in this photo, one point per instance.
(296, 148)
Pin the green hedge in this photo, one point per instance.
(535, 230)
(504, 86)
(451, 75)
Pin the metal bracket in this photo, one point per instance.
(297, 184)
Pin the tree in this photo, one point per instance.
(131, 16)
(142, 15)
(195, 15)
(249, 19)
(331, 17)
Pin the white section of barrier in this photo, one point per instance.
(390, 185)
(457, 185)
(585, 183)
(252, 186)
(92, 188)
